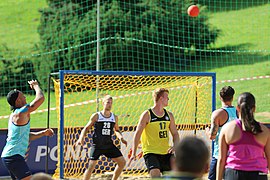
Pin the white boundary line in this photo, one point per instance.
(140, 93)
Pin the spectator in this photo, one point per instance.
(41, 176)
(244, 145)
(191, 159)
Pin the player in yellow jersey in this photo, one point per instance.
(153, 130)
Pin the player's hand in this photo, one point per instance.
(124, 141)
(171, 150)
(132, 158)
(207, 131)
(79, 142)
(48, 132)
(33, 83)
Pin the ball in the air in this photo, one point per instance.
(193, 11)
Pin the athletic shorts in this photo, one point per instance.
(113, 152)
(232, 174)
(16, 166)
(158, 161)
(212, 170)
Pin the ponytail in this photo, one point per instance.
(246, 103)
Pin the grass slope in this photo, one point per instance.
(246, 30)
(19, 21)
(247, 26)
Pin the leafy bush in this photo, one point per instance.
(15, 72)
(134, 35)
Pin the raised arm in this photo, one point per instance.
(86, 128)
(118, 132)
(39, 99)
(174, 133)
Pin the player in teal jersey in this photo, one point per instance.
(19, 133)
(220, 117)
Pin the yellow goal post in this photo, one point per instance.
(191, 100)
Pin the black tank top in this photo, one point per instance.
(103, 131)
(154, 117)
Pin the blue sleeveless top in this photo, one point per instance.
(232, 115)
(18, 136)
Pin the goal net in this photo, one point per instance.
(192, 99)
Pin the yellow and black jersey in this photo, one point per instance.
(155, 136)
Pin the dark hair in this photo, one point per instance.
(246, 103)
(226, 93)
(12, 97)
(192, 155)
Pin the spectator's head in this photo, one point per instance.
(246, 107)
(41, 176)
(191, 156)
(226, 93)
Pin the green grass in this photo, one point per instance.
(248, 27)
(128, 108)
(38, 119)
(239, 31)
(19, 21)
(20, 18)
(131, 107)
(260, 88)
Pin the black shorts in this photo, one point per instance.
(112, 152)
(16, 166)
(232, 174)
(158, 161)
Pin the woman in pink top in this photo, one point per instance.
(244, 145)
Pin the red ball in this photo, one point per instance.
(193, 11)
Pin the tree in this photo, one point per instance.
(15, 72)
(144, 35)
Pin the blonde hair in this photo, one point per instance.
(106, 97)
(157, 93)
